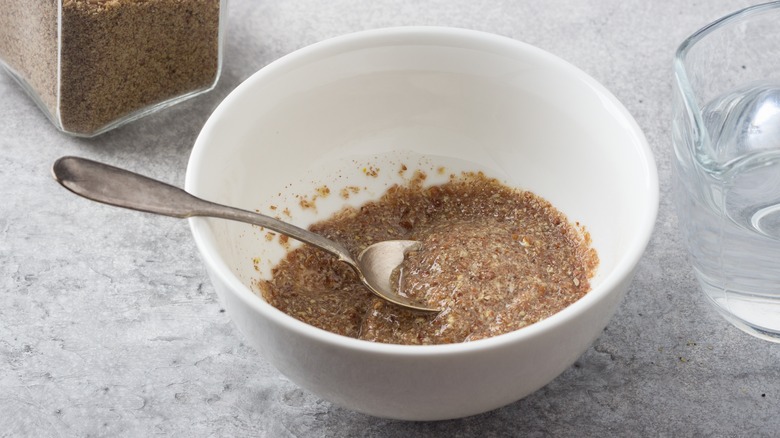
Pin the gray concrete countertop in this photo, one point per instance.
(109, 326)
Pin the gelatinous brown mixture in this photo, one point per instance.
(494, 259)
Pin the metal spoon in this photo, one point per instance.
(122, 188)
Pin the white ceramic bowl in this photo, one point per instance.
(332, 112)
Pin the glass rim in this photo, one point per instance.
(695, 37)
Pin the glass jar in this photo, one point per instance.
(93, 65)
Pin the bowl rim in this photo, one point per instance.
(373, 38)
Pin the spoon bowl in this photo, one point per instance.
(122, 188)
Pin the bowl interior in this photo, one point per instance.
(336, 124)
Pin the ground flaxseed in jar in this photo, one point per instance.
(493, 258)
(95, 64)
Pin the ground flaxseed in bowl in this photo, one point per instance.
(426, 97)
(92, 65)
(493, 258)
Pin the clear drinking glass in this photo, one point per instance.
(93, 65)
(727, 164)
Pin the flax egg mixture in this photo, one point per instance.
(493, 258)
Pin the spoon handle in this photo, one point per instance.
(122, 188)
